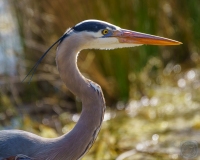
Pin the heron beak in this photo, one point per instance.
(127, 36)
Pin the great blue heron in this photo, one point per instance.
(89, 34)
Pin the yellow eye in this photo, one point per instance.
(105, 31)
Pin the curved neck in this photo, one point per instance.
(66, 59)
(78, 141)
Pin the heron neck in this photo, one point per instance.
(80, 139)
(66, 60)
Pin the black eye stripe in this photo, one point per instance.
(92, 26)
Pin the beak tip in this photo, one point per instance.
(178, 43)
(172, 42)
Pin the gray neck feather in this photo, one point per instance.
(77, 142)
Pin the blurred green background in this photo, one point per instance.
(152, 93)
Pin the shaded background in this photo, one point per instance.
(152, 93)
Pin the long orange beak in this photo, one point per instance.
(127, 36)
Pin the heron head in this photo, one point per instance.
(95, 34)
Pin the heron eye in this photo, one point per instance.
(105, 31)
